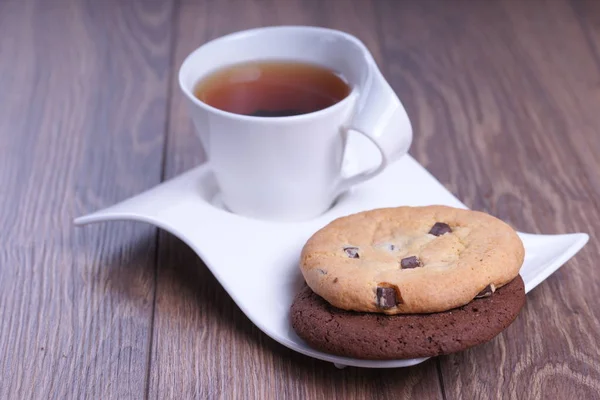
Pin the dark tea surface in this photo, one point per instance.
(272, 88)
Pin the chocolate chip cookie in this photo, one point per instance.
(409, 260)
(381, 337)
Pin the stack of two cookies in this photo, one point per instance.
(408, 282)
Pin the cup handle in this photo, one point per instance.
(380, 116)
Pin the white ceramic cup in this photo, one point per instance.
(290, 168)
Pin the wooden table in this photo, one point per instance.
(505, 101)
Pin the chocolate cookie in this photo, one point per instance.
(408, 260)
(380, 337)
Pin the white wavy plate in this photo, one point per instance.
(257, 261)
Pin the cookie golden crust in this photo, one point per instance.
(409, 260)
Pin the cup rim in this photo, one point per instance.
(291, 118)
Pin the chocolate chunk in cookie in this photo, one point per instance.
(351, 252)
(388, 297)
(440, 228)
(487, 291)
(410, 262)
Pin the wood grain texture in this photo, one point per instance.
(204, 346)
(82, 117)
(504, 99)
